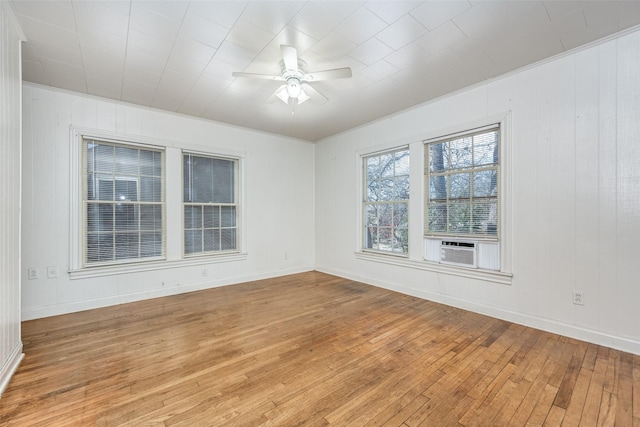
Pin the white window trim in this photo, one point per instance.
(505, 142)
(173, 205)
(417, 254)
(363, 203)
(239, 206)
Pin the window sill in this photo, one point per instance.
(112, 270)
(472, 273)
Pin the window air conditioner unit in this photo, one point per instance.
(458, 253)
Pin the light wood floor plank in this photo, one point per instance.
(315, 350)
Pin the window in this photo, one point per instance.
(462, 182)
(386, 202)
(210, 204)
(123, 202)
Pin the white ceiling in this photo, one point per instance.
(179, 55)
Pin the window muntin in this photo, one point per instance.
(210, 204)
(462, 184)
(386, 202)
(123, 202)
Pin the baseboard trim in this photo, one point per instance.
(548, 325)
(9, 368)
(72, 307)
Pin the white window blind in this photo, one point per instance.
(123, 197)
(462, 184)
(210, 204)
(386, 202)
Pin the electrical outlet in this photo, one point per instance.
(286, 255)
(52, 272)
(578, 297)
(204, 272)
(32, 273)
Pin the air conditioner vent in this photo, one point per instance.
(458, 253)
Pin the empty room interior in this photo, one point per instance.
(347, 213)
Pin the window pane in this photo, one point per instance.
(100, 247)
(150, 244)
(100, 217)
(228, 239)
(223, 181)
(105, 187)
(371, 237)
(386, 165)
(437, 187)
(151, 217)
(186, 178)
(385, 215)
(127, 245)
(438, 157)
(150, 163)
(485, 183)
(150, 189)
(459, 218)
(211, 240)
(402, 163)
(460, 186)
(228, 216)
(126, 160)
(103, 158)
(401, 188)
(385, 239)
(211, 216)
(461, 153)
(385, 190)
(485, 218)
(192, 241)
(201, 180)
(126, 190)
(193, 217)
(437, 214)
(485, 148)
(371, 214)
(373, 168)
(401, 215)
(401, 240)
(126, 216)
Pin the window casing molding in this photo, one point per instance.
(232, 204)
(173, 254)
(416, 258)
(391, 211)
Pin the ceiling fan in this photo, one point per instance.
(296, 88)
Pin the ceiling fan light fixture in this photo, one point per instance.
(296, 88)
(293, 87)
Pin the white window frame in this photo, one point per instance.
(502, 241)
(236, 204)
(82, 178)
(173, 205)
(416, 259)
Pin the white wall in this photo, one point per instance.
(10, 80)
(278, 181)
(575, 148)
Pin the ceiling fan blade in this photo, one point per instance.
(257, 76)
(281, 93)
(289, 57)
(337, 73)
(314, 94)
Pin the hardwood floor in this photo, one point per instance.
(311, 349)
